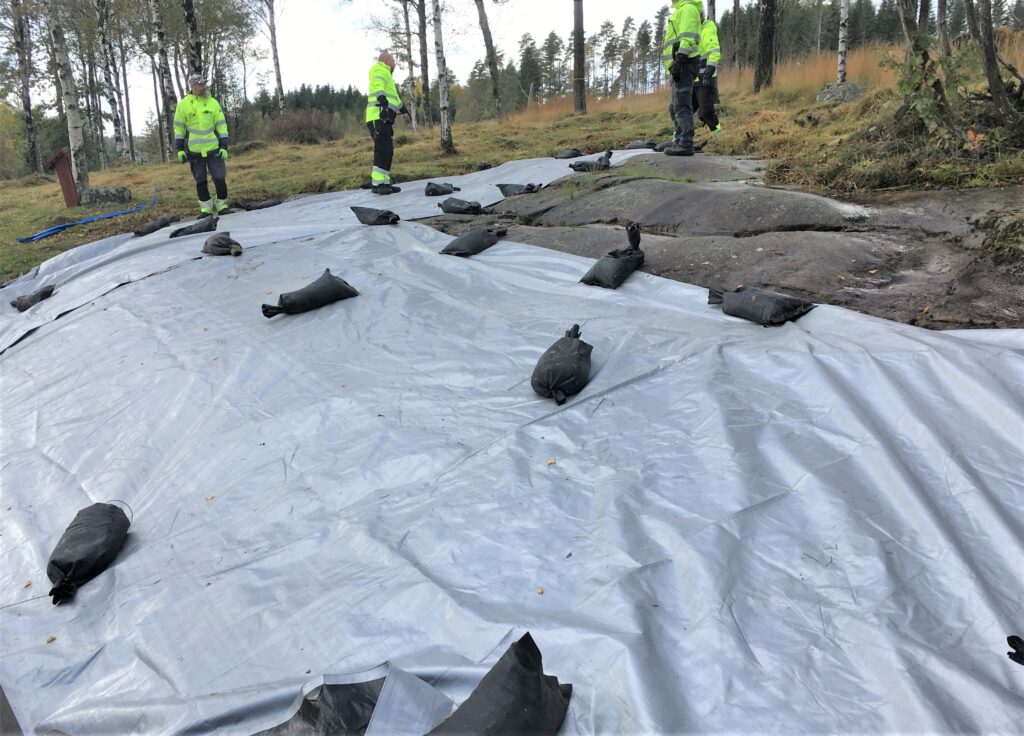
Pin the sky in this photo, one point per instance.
(331, 42)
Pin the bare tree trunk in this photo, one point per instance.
(579, 62)
(164, 75)
(22, 33)
(710, 9)
(195, 46)
(177, 72)
(161, 130)
(919, 54)
(821, 18)
(69, 92)
(844, 25)
(447, 145)
(127, 100)
(765, 71)
(924, 12)
(973, 27)
(272, 27)
(106, 54)
(421, 11)
(735, 34)
(991, 63)
(492, 58)
(412, 64)
(94, 108)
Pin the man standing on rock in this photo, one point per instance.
(383, 106)
(201, 135)
(681, 58)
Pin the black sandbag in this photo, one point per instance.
(206, 225)
(366, 184)
(483, 166)
(767, 308)
(26, 301)
(514, 697)
(456, 206)
(564, 368)
(615, 267)
(372, 216)
(512, 190)
(86, 548)
(662, 146)
(222, 244)
(599, 165)
(153, 225)
(434, 189)
(325, 290)
(262, 204)
(474, 241)
(569, 153)
(1017, 649)
(332, 709)
(637, 145)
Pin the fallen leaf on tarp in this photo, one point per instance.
(840, 277)
(551, 461)
(540, 591)
(209, 498)
(28, 584)
(51, 639)
(873, 270)
(926, 310)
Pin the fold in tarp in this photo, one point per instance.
(811, 528)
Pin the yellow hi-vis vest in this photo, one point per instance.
(200, 122)
(381, 83)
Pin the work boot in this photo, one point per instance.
(679, 150)
(206, 208)
(386, 189)
(221, 205)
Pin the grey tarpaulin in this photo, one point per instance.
(813, 528)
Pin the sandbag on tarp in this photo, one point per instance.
(512, 190)
(86, 548)
(373, 216)
(262, 204)
(767, 308)
(1017, 646)
(599, 165)
(456, 206)
(564, 368)
(153, 225)
(206, 225)
(433, 189)
(26, 301)
(325, 290)
(332, 709)
(615, 267)
(637, 145)
(483, 166)
(474, 241)
(514, 697)
(569, 153)
(222, 244)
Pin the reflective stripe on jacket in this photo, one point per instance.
(682, 34)
(200, 122)
(381, 83)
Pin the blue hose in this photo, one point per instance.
(59, 228)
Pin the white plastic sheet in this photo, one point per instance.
(812, 528)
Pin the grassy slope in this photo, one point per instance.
(845, 148)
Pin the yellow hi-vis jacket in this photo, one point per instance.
(381, 83)
(682, 34)
(199, 124)
(710, 52)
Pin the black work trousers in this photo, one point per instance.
(705, 97)
(383, 135)
(680, 109)
(218, 172)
